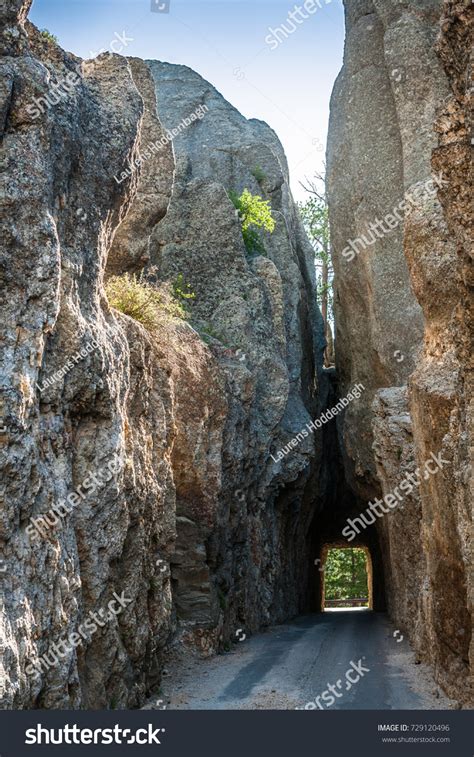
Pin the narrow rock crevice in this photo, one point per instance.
(214, 518)
(402, 307)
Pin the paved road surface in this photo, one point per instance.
(290, 665)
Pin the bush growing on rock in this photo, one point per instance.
(182, 290)
(148, 304)
(47, 35)
(255, 214)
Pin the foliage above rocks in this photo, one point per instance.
(255, 214)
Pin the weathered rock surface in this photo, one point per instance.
(399, 118)
(242, 519)
(200, 529)
(63, 206)
(400, 531)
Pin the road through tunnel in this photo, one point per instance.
(337, 505)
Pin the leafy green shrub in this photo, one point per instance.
(182, 290)
(258, 174)
(254, 213)
(50, 37)
(147, 304)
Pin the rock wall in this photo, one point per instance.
(63, 207)
(195, 526)
(159, 451)
(260, 318)
(398, 120)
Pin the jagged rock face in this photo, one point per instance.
(400, 532)
(376, 311)
(241, 528)
(442, 385)
(130, 250)
(398, 119)
(197, 526)
(63, 207)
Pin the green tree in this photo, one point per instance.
(345, 575)
(255, 213)
(315, 216)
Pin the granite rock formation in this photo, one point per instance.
(159, 450)
(399, 120)
(198, 530)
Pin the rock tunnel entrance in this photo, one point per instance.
(337, 503)
(374, 570)
(347, 577)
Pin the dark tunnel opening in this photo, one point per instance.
(338, 503)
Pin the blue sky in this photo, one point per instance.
(224, 40)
